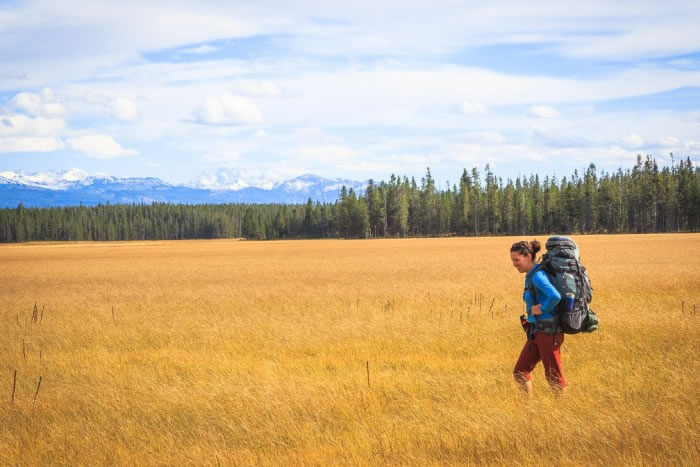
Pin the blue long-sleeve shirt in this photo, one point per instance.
(547, 295)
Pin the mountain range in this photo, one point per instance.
(74, 187)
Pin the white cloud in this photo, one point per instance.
(669, 141)
(202, 49)
(29, 144)
(28, 102)
(39, 104)
(21, 125)
(229, 178)
(123, 109)
(543, 111)
(596, 28)
(256, 87)
(675, 144)
(380, 85)
(632, 141)
(642, 39)
(229, 109)
(99, 146)
(438, 27)
(471, 106)
(37, 128)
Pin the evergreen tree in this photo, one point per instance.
(644, 198)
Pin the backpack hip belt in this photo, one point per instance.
(548, 326)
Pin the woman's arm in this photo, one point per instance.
(547, 295)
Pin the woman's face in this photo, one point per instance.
(523, 263)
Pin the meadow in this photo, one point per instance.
(339, 352)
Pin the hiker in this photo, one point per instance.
(544, 335)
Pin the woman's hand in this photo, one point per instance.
(536, 309)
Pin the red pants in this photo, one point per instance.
(544, 347)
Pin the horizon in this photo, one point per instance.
(267, 92)
(216, 185)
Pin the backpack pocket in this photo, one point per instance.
(573, 322)
(572, 319)
(568, 285)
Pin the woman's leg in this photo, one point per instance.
(529, 357)
(549, 347)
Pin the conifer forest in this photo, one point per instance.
(642, 199)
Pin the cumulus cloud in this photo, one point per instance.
(37, 128)
(21, 125)
(30, 144)
(229, 109)
(99, 145)
(123, 109)
(230, 178)
(34, 104)
(543, 111)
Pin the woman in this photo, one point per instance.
(544, 334)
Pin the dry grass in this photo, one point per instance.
(226, 352)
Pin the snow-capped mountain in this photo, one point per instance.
(313, 184)
(226, 178)
(50, 180)
(235, 179)
(72, 187)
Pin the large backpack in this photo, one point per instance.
(567, 274)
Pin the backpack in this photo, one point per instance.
(568, 275)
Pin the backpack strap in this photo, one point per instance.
(546, 325)
(529, 285)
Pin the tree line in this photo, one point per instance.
(642, 199)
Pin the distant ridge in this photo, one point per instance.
(74, 187)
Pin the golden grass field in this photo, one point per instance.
(256, 353)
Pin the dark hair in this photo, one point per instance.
(527, 248)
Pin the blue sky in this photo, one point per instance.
(268, 91)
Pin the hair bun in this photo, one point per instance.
(535, 246)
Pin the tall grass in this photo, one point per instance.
(352, 352)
